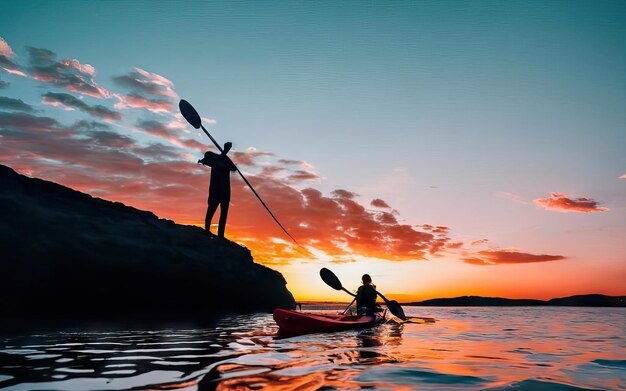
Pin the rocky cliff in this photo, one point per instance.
(67, 255)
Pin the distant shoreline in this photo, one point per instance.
(591, 300)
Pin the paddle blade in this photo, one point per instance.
(330, 279)
(396, 309)
(190, 114)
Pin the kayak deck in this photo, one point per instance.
(294, 322)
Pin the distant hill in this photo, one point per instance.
(67, 255)
(571, 301)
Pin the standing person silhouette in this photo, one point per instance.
(219, 188)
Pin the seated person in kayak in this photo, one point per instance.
(366, 297)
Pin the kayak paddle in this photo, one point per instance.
(393, 306)
(333, 281)
(192, 116)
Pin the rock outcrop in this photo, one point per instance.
(67, 255)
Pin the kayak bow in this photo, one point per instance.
(294, 322)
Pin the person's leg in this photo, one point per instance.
(209, 214)
(223, 216)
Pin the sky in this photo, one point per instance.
(445, 148)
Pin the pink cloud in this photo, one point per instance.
(141, 102)
(71, 74)
(623, 177)
(271, 170)
(159, 80)
(92, 90)
(561, 203)
(5, 49)
(498, 257)
(43, 141)
(144, 82)
(14, 72)
(82, 68)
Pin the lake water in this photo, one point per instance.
(494, 348)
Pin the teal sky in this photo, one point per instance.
(449, 111)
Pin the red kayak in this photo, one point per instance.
(294, 322)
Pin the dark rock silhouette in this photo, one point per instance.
(572, 301)
(67, 255)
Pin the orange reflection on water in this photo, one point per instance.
(480, 347)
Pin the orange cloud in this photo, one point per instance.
(335, 225)
(561, 203)
(499, 257)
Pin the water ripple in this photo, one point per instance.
(467, 349)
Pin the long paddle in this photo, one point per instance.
(333, 281)
(192, 116)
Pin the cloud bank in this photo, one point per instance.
(157, 171)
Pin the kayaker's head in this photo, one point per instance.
(227, 146)
(366, 279)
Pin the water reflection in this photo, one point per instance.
(370, 341)
(478, 348)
